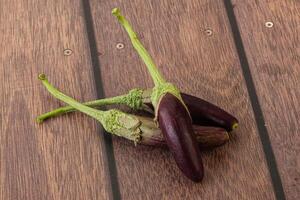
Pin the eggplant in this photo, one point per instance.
(207, 114)
(204, 113)
(176, 125)
(210, 137)
(170, 111)
(207, 137)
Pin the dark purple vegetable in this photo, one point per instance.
(208, 114)
(176, 126)
(207, 137)
(171, 113)
(210, 137)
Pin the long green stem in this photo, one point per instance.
(133, 99)
(67, 109)
(59, 95)
(155, 74)
(161, 85)
(114, 121)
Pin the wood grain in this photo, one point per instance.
(274, 59)
(62, 158)
(175, 33)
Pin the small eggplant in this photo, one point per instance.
(207, 137)
(170, 111)
(208, 114)
(210, 137)
(176, 125)
(204, 113)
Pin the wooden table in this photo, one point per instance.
(241, 55)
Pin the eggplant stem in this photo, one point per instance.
(59, 95)
(133, 99)
(67, 109)
(114, 121)
(155, 74)
(161, 85)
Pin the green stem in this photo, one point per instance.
(133, 99)
(66, 109)
(59, 95)
(155, 74)
(113, 121)
(161, 85)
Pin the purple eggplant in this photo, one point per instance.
(207, 137)
(208, 114)
(171, 113)
(176, 125)
(204, 113)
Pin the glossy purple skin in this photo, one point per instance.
(208, 114)
(176, 126)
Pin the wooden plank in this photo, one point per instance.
(274, 58)
(175, 33)
(60, 159)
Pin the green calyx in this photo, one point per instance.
(121, 124)
(162, 89)
(159, 91)
(134, 99)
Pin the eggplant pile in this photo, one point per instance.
(184, 123)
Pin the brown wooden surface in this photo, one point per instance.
(274, 59)
(206, 66)
(61, 159)
(66, 158)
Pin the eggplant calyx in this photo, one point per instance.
(121, 124)
(159, 91)
(134, 99)
(162, 89)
